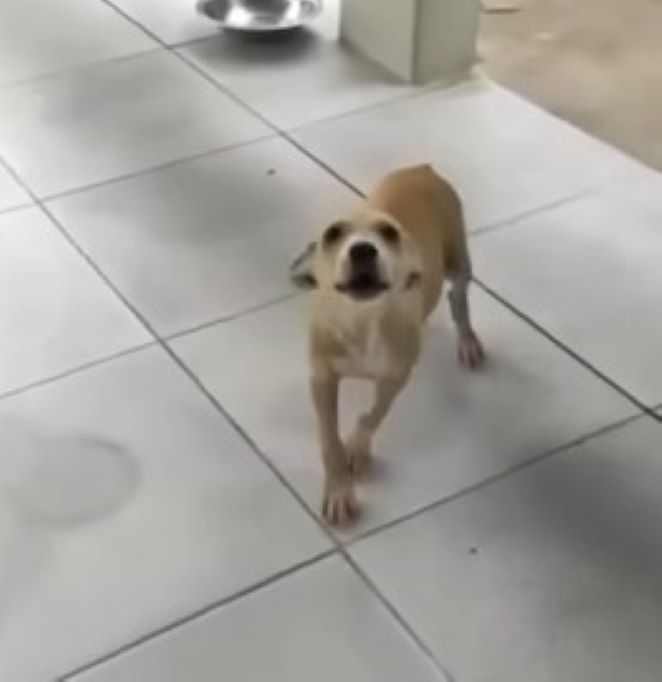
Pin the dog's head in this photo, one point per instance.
(362, 259)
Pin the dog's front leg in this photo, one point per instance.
(359, 450)
(339, 505)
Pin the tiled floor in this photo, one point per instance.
(159, 478)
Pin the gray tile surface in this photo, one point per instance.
(210, 238)
(552, 574)
(55, 312)
(588, 271)
(11, 193)
(449, 429)
(294, 83)
(126, 503)
(109, 120)
(505, 155)
(320, 624)
(40, 37)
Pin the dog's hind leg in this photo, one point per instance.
(470, 350)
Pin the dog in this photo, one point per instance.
(374, 278)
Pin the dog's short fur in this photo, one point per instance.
(374, 278)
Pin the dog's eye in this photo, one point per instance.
(388, 233)
(333, 234)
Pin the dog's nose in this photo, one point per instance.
(362, 253)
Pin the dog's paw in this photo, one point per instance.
(359, 456)
(470, 352)
(340, 507)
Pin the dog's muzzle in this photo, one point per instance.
(364, 279)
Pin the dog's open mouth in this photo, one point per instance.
(363, 286)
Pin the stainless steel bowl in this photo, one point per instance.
(260, 16)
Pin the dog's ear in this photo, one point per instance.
(301, 270)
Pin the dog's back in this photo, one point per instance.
(429, 209)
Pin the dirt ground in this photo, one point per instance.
(596, 63)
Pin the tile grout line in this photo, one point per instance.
(338, 545)
(407, 629)
(73, 371)
(565, 348)
(231, 317)
(87, 66)
(159, 167)
(15, 207)
(197, 614)
(512, 221)
(339, 549)
(105, 359)
(500, 476)
(59, 227)
(174, 49)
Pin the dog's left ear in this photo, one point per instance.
(301, 270)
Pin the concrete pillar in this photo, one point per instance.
(418, 40)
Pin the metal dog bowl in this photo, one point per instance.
(260, 16)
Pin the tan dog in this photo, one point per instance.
(374, 279)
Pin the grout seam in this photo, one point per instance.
(197, 614)
(231, 317)
(512, 221)
(79, 68)
(164, 166)
(15, 207)
(502, 475)
(322, 526)
(565, 348)
(73, 371)
(136, 23)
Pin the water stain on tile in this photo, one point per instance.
(58, 480)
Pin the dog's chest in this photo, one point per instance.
(365, 354)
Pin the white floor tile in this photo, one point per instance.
(320, 624)
(55, 312)
(449, 429)
(172, 21)
(318, 78)
(40, 37)
(127, 502)
(589, 272)
(552, 574)
(505, 155)
(209, 238)
(92, 125)
(11, 193)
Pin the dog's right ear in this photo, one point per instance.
(301, 270)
